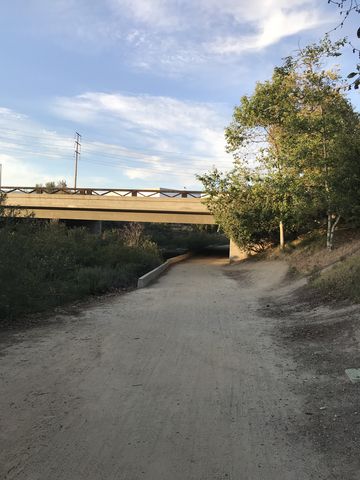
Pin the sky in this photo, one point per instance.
(149, 84)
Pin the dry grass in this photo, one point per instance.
(334, 275)
(342, 282)
(309, 254)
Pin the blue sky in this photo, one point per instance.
(150, 84)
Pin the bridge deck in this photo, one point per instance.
(128, 205)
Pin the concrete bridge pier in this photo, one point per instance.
(96, 227)
(236, 254)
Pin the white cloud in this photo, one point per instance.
(163, 136)
(157, 117)
(187, 14)
(158, 13)
(270, 30)
(281, 25)
(157, 112)
(29, 153)
(149, 141)
(177, 36)
(16, 172)
(9, 115)
(264, 21)
(135, 173)
(255, 11)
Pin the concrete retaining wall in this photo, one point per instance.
(154, 274)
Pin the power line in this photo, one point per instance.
(64, 148)
(147, 152)
(136, 156)
(10, 151)
(147, 170)
(128, 156)
(130, 162)
(15, 144)
(24, 133)
(122, 163)
(98, 162)
(148, 160)
(101, 146)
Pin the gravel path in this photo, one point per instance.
(179, 381)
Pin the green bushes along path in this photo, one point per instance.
(46, 265)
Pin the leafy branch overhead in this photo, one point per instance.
(346, 8)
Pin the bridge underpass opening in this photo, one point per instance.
(116, 205)
(172, 238)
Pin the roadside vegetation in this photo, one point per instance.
(51, 187)
(44, 265)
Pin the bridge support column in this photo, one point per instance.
(235, 253)
(96, 227)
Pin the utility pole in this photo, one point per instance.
(0, 176)
(77, 147)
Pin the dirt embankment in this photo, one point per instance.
(323, 342)
(311, 255)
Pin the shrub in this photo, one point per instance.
(43, 265)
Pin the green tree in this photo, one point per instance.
(51, 187)
(323, 137)
(237, 206)
(305, 135)
(261, 120)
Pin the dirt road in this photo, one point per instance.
(179, 381)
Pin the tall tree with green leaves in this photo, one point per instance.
(261, 121)
(236, 199)
(324, 137)
(305, 134)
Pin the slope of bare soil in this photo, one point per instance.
(313, 256)
(323, 341)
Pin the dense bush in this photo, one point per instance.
(45, 265)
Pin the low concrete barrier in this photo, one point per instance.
(154, 274)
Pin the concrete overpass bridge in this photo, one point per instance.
(125, 205)
(128, 205)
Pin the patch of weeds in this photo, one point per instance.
(341, 282)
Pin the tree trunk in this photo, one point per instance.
(331, 226)
(282, 241)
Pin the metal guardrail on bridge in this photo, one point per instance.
(101, 192)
